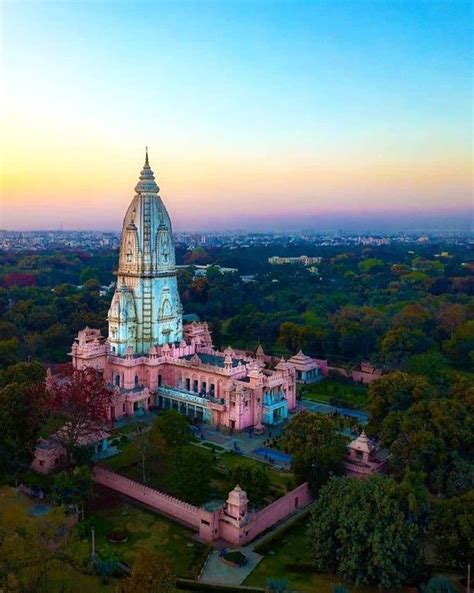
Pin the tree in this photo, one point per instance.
(142, 441)
(30, 550)
(452, 530)
(83, 400)
(251, 477)
(460, 348)
(435, 437)
(170, 431)
(188, 474)
(414, 496)
(317, 447)
(9, 352)
(450, 318)
(398, 344)
(22, 411)
(371, 265)
(73, 488)
(391, 393)
(151, 573)
(26, 373)
(358, 530)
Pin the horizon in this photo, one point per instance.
(315, 114)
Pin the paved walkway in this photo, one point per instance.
(321, 408)
(217, 571)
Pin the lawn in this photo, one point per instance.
(149, 531)
(291, 547)
(280, 481)
(127, 463)
(328, 390)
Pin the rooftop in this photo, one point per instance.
(213, 360)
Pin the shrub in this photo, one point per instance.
(118, 535)
(236, 557)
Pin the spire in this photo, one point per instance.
(146, 183)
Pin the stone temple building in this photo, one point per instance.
(150, 360)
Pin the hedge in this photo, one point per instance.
(190, 585)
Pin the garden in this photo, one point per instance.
(337, 392)
(287, 557)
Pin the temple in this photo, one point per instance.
(150, 360)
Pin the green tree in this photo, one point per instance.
(22, 411)
(460, 348)
(452, 530)
(9, 352)
(73, 488)
(358, 530)
(152, 572)
(251, 477)
(189, 473)
(317, 447)
(394, 392)
(400, 343)
(170, 431)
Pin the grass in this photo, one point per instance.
(127, 463)
(289, 548)
(212, 446)
(280, 481)
(149, 531)
(351, 394)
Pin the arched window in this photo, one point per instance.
(117, 380)
(136, 381)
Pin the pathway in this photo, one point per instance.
(321, 408)
(217, 571)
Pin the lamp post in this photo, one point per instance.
(93, 554)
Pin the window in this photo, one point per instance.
(205, 522)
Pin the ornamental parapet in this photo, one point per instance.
(190, 396)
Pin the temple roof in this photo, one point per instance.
(362, 443)
(147, 182)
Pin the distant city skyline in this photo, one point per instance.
(258, 115)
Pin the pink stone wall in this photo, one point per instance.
(181, 511)
(211, 525)
(277, 511)
(323, 365)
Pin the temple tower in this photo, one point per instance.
(146, 309)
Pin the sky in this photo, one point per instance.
(258, 114)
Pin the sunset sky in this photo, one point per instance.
(257, 114)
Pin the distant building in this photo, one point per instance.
(301, 259)
(307, 369)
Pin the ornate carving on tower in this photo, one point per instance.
(147, 269)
